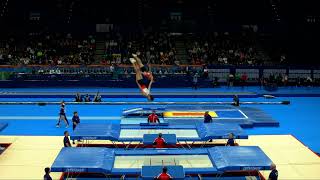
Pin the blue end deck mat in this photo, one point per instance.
(109, 131)
(3, 126)
(101, 160)
(94, 160)
(229, 158)
(209, 131)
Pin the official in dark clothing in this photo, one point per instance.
(75, 120)
(66, 140)
(97, 98)
(207, 117)
(274, 172)
(236, 101)
(47, 174)
(87, 98)
(230, 141)
(78, 98)
(62, 115)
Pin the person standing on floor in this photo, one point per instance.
(195, 81)
(230, 141)
(47, 174)
(207, 117)
(62, 115)
(274, 172)
(66, 140)
(75, 121)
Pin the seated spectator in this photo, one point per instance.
(47, 174)
(215, 82)
(78, 98)
(285, 80)
(195, 81)
(230, 141)
(309, 81)
(164, 175)
(159, 142)
(230, 80)
(207, 117)
(298, 82)
(87, 98)
(97, 98)
(244, 78)
(153, 118)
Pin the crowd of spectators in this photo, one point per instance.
(223, 48)
(48, 49)
(154, 48)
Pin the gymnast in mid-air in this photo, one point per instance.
(144, 77)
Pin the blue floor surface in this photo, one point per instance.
(300, 118)
(252, 89)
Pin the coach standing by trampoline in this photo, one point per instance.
(207, 117)
(75, 121)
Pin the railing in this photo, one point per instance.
(220, 72)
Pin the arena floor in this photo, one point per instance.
(35, 141)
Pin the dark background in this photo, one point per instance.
(288, 26)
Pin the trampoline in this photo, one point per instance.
(245, 117)
(199, 132)
(216, 160)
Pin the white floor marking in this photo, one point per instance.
(246, 117)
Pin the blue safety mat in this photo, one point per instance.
(258, 117)
(235, 158)
(106, 131)
(95, 160)
(209, 131)
(171, 139)
(100, 160)
(150, 172)
(3, 125)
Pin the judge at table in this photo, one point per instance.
(164, 175)
(159, 141)
(153, 118)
